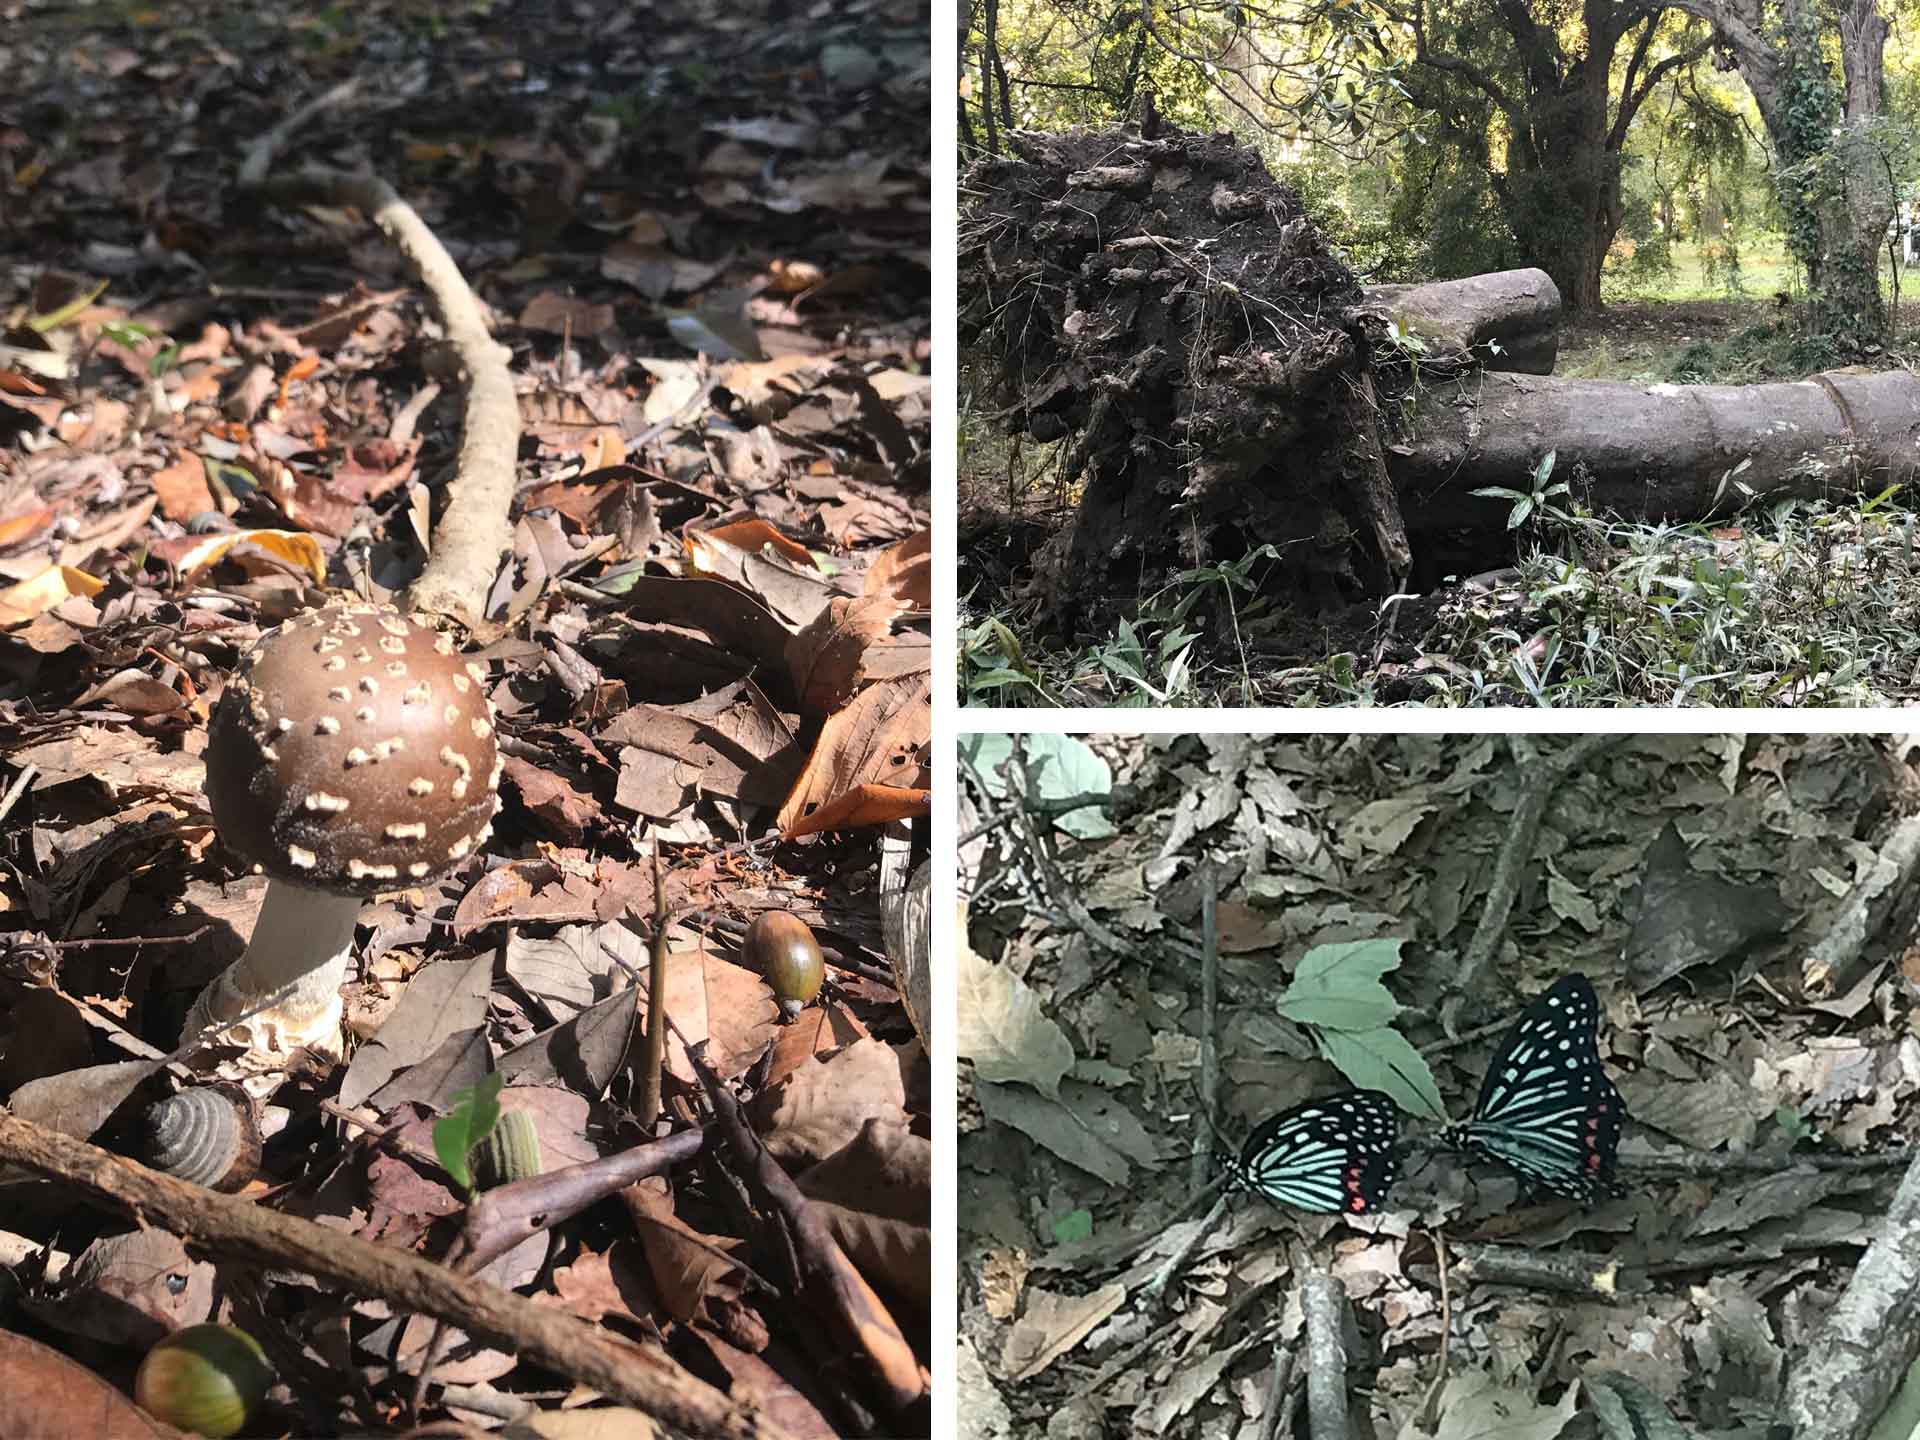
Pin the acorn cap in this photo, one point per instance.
(353, 752)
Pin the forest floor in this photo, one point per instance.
(1351, 863)
(699, 241)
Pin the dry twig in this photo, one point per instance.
(235, 1229)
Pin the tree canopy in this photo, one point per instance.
(1503, 131)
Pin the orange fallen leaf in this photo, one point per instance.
(53, 586)
(182, 488)
(293, 546)
(865, 805)
(747, 535)
(905, 570)
(877, 741)
(25, 526)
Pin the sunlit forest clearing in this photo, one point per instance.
(1656, 450)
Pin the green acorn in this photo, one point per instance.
(510, 1152)
(208, 1378)
(781, 947)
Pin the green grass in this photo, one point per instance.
(1797, 604)
(1764, 269)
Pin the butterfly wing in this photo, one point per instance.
(1547, 1109)
(1333, 1155)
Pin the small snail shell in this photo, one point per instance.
(781, 947)
(209, 1135)
(205, 1378)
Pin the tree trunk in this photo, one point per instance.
(1835, 187)
(1651, 452)
(1562, 194)
(989, 64)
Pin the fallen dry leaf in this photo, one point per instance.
(825, 659)
(877, 740)
(53, 586)
(44, 1396)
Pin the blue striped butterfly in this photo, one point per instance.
(1333, 1155)
(1547, 1111)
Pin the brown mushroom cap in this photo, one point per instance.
(353, 752)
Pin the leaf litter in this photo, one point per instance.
(1353, 875)
(710, 635)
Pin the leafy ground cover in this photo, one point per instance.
(699, 239)
(1172, 938)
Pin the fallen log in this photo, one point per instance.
(1654, 452)
(1507, 320)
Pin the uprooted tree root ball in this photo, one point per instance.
(1169, 304)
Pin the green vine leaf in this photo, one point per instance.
(475, 1112)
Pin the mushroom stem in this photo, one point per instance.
(299, 951)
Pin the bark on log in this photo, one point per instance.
(1519, 310)
(1653, 451)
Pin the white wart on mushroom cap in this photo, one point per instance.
(353, 752)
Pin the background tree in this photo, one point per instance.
(1537, 97)
(1817, 71)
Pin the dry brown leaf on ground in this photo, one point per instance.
(736, 621)
(120, 758)
(182, 488)
(825, 659)
(751, 536)
(44, 1396)
(565, 315)
(884, 1170)
(668, 758)
(134, 692)
(525, 891)
(795, 590)
(561, 808)
(819, 1030)
(783, 1397)
(17, 530)
(688, 1268)
(294, 549)
(573, 968)
(824, 1104)
(655, 271)
(877, 740)
(728, 1006)
(867, 805)
(132, 1288)
(49, 589)
(905, 570)
(894, 1255)
(444, 998)
(613, 1282)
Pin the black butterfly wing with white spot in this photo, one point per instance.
(1547, 1109)
(1333, 1155)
